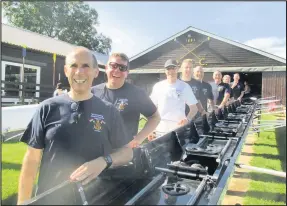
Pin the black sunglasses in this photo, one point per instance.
(121, 67)
(75, 115)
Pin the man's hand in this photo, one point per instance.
(239, 99)
(204, 113)
(89, 171)
(183, 122)
(134, 143)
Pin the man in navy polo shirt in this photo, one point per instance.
(129, 99)
(73, 136)
(221, 91)
(237, 87)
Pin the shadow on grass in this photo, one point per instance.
(264, 195)
(281, 144)
(258, 177)
(267, 156)
(6, 165)
(258, 144)
(12, 200)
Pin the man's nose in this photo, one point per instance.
(80, 70)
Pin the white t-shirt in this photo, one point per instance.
(170, 100)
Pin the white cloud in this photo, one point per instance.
(273, 45)
(124, 38)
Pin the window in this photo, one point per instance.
(11, 74)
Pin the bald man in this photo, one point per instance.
(74, 136)
(237, 87)
(205, 92)
(221, 91)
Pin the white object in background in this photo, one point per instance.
(17, 117)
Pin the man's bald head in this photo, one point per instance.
(81, 51)
(198, 73)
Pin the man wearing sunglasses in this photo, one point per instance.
(170, 97)
(74, 136)
(129, 99)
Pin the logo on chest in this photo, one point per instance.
(220, 88)
(194, 89)
(121, 104)
(98, 121)
(204, 91)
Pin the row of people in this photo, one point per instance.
(79, 134)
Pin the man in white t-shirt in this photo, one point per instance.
(170, 97)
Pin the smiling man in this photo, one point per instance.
(221, 91)
(170, 97)
(129, 99)
(73, 136)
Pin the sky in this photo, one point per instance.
(136, 26)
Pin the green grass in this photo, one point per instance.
(12, 157)
(270, 153)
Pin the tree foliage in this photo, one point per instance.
(70, 21)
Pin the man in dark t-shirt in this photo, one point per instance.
(130, 100)
(75, 136)
(226, 79)
(205, 92)
(196, 86)
(221, 91)
(237, 87)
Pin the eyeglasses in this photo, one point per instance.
(121, 67)
(75, 115)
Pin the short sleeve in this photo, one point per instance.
(154, 96)
(189, 96)
(145, 104)
(209, 91)
(118, 136)
(34, 135)
(227, 89)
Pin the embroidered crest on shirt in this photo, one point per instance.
(121, 104)
(204, 91)
(178, 93)
(194, 89)
(220, 88)
(98, 121)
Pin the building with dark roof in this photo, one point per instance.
(265, 72)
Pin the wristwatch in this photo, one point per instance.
(108, 160)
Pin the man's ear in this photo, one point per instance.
(96, 73)
(66, 70)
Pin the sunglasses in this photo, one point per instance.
(121, 67)
(75, 117)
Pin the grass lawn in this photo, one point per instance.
(12, 157)
(270, 153)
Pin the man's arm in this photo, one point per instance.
(224, 101)
(90, 170)
(121, 153)
(192, 111)
(28, 174)
(149, 127)
(211, 102)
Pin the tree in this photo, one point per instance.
(70, 21)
